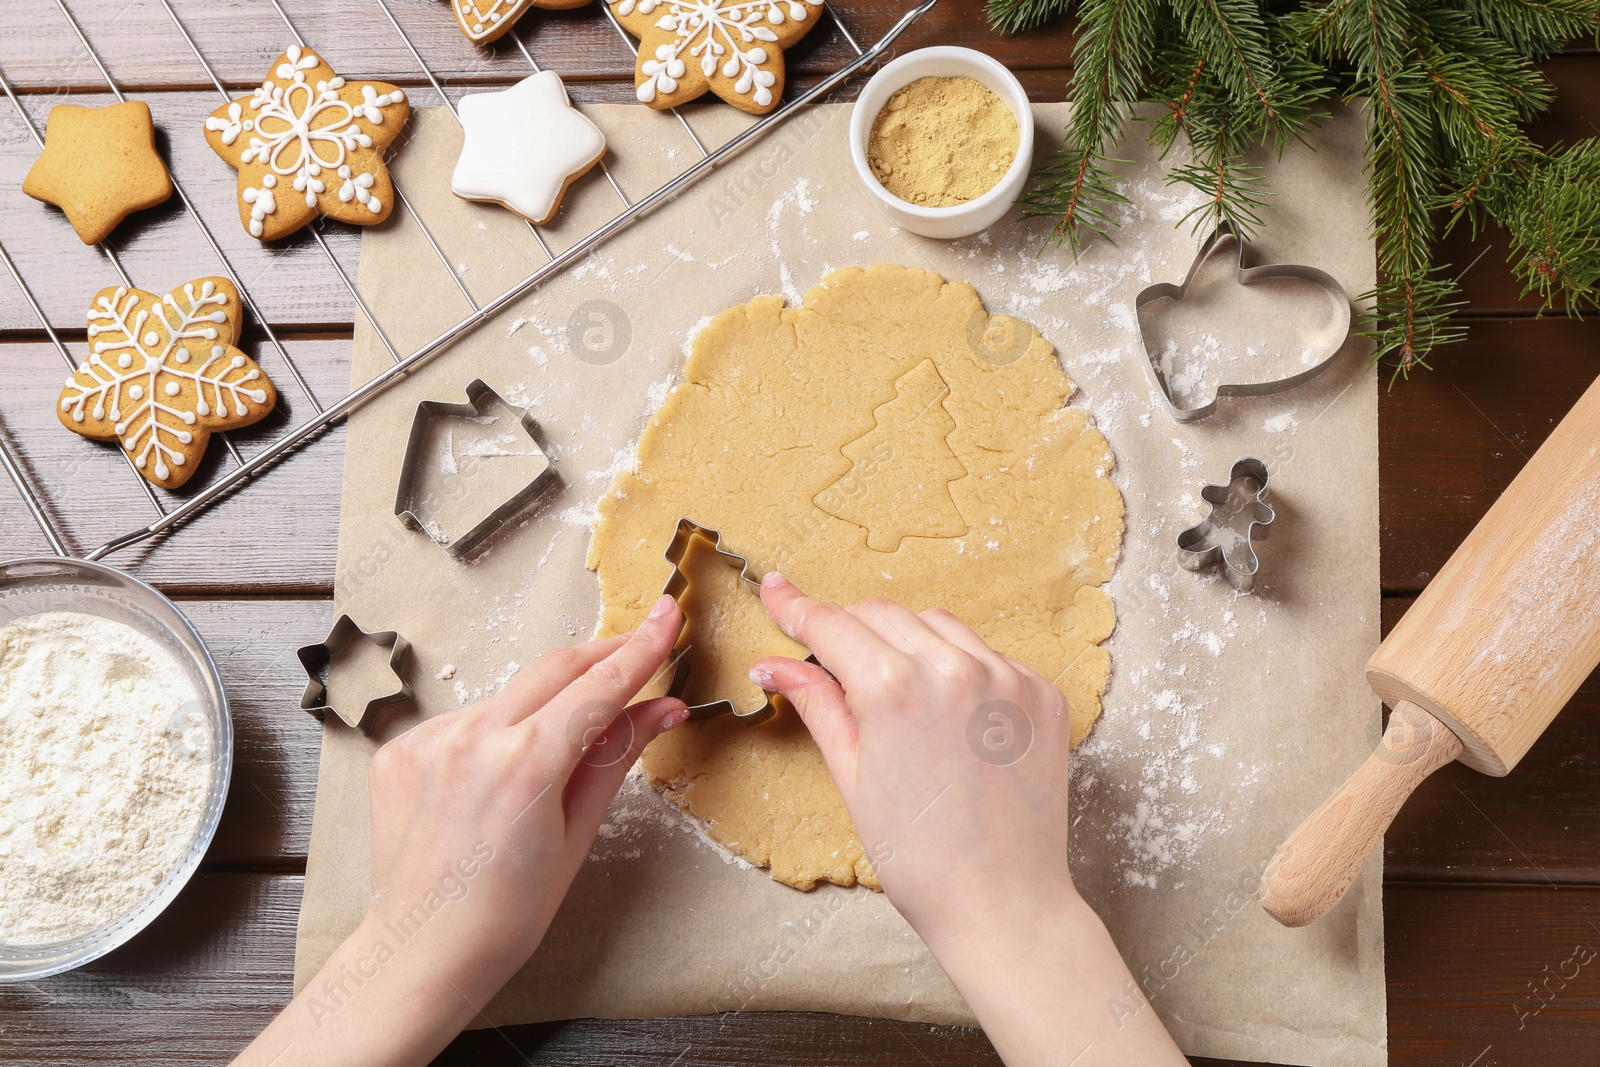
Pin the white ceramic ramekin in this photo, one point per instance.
(944, 62)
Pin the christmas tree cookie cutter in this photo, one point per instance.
(683, 538)
(318, 659)
(1214, 244)
(1198, 548)
(482, 402)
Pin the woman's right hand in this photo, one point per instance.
(952, 760)
(951, 757)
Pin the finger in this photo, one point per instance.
(837, 638)
(820, 702)
(896, 625)
(538, 683)
(599, 774)
(951, 629)
(598, 696)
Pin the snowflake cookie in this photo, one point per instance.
(523, 146)
(733, 48)
(486, 20)
(162, 374)
(307, 142)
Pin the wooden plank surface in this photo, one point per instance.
(1491, 884)
(214, 968)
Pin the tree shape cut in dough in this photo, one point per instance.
(163, 374)
(307, 142)
(771, 397)
(898, 484)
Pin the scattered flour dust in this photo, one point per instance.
(105, 764)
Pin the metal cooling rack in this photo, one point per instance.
(325, 415)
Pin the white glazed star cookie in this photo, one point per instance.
(733, 48)
(524, 146)
(309, 143)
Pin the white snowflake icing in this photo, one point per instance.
(707, 31)
(138, 365)
(290, 132)
(478, 20)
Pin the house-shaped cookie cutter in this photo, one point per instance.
(1244, 276)
(677, 552)
(316, 659)
(1196, 548)
(482, 401)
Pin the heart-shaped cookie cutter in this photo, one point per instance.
(1226, 231)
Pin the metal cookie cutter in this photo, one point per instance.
(1197, 549)
(678, 584)
(316, 659)
(1226, 231)
(482, 401)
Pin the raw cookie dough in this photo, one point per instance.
(886, 438)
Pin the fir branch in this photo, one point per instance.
(1014, 16)
(1114, 46)
(1447, 87)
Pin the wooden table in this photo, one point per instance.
(1491, 884)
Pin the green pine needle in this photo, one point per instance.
(1447, 86)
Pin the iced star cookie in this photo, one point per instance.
(487, 20)
(733, 48)
(163, 374)
(309, 143)
(523, 146)
(99, 166)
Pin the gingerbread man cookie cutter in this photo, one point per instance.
(1198, 549)
(1243, 275)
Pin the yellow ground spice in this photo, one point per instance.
(939, 142)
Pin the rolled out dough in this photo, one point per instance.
(887, 438)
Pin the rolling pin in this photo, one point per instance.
(1490, 652)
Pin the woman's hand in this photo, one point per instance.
(480, 820)
(952, 760)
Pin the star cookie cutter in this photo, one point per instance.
(482, 401)
(318, 658)
(686, 534)
(1226, 231)
(1197, 549)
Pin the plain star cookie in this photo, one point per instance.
(99, 166)
(309, 143)
(888, 437)
(163, 374)
(486, 20)
(523, 146)
(733, 48)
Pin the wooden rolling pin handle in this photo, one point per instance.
(1319, 861)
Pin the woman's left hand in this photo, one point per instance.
(480, 820)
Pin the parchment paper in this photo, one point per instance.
(1228, 719)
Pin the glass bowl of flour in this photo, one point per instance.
(116, 747)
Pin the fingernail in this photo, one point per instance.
(773, 580)
(663, 606)
(761, 674)
(675, 718)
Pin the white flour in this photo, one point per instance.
(105, 757)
